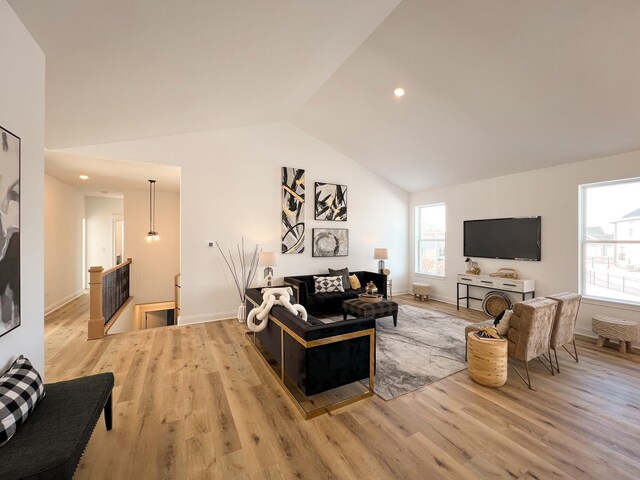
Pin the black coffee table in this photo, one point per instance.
(360, 308)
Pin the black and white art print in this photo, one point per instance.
(292, 210)
(330, 242)
(9, 231)
(331, 202)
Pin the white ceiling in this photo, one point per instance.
(109, 178)
(122, 69)
(493, 87)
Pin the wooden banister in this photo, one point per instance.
(96, 326)
(176, 292)
(96, 320)
(113, 269)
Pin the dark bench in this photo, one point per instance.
(50, 444)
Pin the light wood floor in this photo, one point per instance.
(195, 402)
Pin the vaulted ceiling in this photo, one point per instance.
(492, 87)
(122, 69)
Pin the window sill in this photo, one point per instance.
(430, 275)
(611, 303)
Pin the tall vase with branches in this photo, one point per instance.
(242, 272)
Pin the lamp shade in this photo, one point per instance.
(380, 254)
(267, 259)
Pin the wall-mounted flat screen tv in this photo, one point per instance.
(508, 238)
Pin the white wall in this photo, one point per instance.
(22, 112)
(230, 188)
(156, 263)
(63, 214)
(126, 322)
(100, 213)
(551, 193)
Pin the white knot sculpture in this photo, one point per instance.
(271, 297)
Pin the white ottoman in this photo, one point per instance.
(608, 327)
(421, 290)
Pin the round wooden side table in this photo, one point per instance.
(487, 360)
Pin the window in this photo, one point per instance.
(610, 248)
(430, 238)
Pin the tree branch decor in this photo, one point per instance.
(242, 272)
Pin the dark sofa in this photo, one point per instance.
(322, 303)
(316, 368)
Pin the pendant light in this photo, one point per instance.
(152, 236)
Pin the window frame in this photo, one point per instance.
(583, 244)
(418, 239)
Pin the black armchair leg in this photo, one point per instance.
(108, 413)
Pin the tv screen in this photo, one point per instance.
(508, 238)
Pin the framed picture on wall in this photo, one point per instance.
(331, 202)
(330, 242)
(292, 219)
(9, 231)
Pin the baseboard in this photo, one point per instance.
(63, 302)
(206, 317)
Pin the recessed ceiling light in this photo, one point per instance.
(83, 177)
(399, 92)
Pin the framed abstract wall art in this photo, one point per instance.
(331, 202)
(292, 229)
(330, 242)
(9, 231)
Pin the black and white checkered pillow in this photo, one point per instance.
(20, 388)
(328, 284)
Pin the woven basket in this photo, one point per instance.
(496, 302)
(487, 360)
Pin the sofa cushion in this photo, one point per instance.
(20, 390)
(344, 273)
(328, 284)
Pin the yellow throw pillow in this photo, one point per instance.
(355, 283)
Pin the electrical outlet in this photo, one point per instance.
(210, 244)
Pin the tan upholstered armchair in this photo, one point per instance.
(530, 331)
(563, 331)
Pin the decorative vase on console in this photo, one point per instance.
(242, 273)
(472, 267)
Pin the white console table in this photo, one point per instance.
(523, 286)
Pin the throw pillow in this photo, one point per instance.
(355, 282)
(501, 323)
(344, 272)
(328, 284)
(20, 389)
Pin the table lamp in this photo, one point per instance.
(381, 254)
(268, 260)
